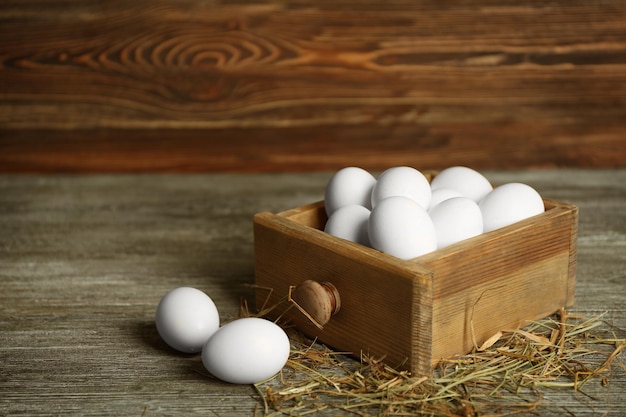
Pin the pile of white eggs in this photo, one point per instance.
(243, 351)
(402, 214)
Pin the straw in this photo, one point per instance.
(504, 376)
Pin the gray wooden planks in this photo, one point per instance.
(85, 259)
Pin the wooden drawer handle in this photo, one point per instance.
(319, 300)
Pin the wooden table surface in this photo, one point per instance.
(84, 261)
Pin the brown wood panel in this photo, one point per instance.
(275, 85)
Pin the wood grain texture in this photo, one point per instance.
(299, 85)
(85, 259)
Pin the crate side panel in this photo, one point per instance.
(463, 321)
(570, 212)
(485, 258)
(519, 274)
(571, 283)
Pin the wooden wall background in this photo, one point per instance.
(280, 85)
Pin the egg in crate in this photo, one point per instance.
(348, 186)
(508, 204)
(467, 181)
(402, 181)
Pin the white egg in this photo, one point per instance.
(509, 203)
(186, 318)
(456, 219)
(246, 351)
(350, 223)
(442, 194)
(470, 183)
(350, 185)
(401, 227)
(402, 182)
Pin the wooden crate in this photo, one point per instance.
(416, 312)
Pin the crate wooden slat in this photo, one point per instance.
(416, 312)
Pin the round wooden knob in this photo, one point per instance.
(320, 300)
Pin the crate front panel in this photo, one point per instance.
(378, 316)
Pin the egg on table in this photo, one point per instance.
(186, 318)
(246, 351)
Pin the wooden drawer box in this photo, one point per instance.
(416, 312)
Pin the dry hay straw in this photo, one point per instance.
(504, 376)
